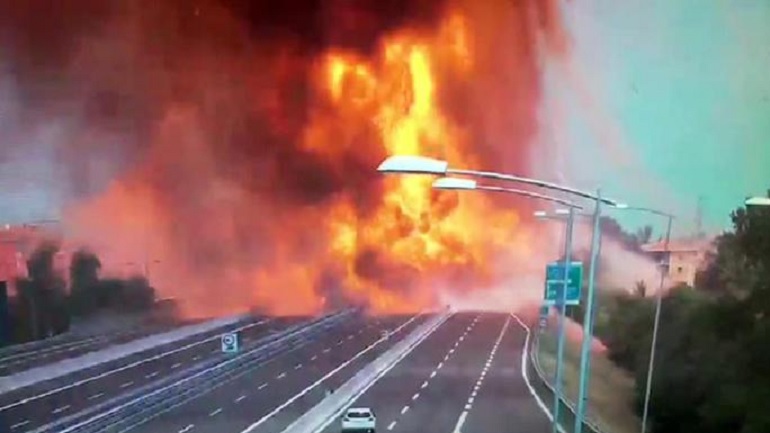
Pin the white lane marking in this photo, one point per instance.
(123, 368)
(525, 375)
(326, 350)
(19, 424)
(239, 399)
(460, 422)
(433, 374)
(415, 396)
(314, 357)
(215, 411)
(263, 386)
(298, 366)
(471, 398)
(391, 425)
(452, 350)
(176, 365)
(60, 409)
(127, 384)
(319, 381)
(151, 375)
(196, 357)
(281, 376)
(188, 428)
(350, 337)
(440, 364)
(424, 385)
(95, 396)
(404, 409)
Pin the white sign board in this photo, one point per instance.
(230, 343)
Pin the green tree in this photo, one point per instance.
(84, 279)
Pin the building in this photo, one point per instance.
(684, 257)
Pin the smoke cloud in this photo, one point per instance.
(200, 139)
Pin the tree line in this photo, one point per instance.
(712, 363)
(45, 304)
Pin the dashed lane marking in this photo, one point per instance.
(60, 409)
(19, 424)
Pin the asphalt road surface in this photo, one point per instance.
(275, 393)
(41, 353)
(31, 407)
(465, 377)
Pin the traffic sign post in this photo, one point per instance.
(231, 342)
(554, 284)
(543, 322)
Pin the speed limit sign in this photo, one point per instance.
(230, 343)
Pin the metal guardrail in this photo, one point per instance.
(144, 403)
(568, 418)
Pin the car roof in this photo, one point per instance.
(359, 409)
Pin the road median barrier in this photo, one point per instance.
(143, 404)
(325, 412)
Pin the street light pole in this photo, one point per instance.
(588, 318)
(562, 319)
(449, 183)
(655, 326)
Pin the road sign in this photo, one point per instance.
(231, 342)
(554, 283)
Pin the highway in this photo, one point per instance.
(465, 377)
(291, 383)
(31, 407)
(39, 353)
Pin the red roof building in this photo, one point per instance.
(684, 257)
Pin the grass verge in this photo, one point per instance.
(611, 392)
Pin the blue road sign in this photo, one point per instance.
(231, 342)
(554, 283)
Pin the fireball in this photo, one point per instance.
(259, 186)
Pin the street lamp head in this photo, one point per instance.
(454, 183)
(758, 201)
(407, 164)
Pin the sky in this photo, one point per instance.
(665, 101)
(659, 103)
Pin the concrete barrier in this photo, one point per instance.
(325, 412)
(89, 360)
(145, 403)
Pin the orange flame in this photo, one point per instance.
(392, 246)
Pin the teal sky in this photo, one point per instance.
(664, 101)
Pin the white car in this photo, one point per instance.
(359, 419)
